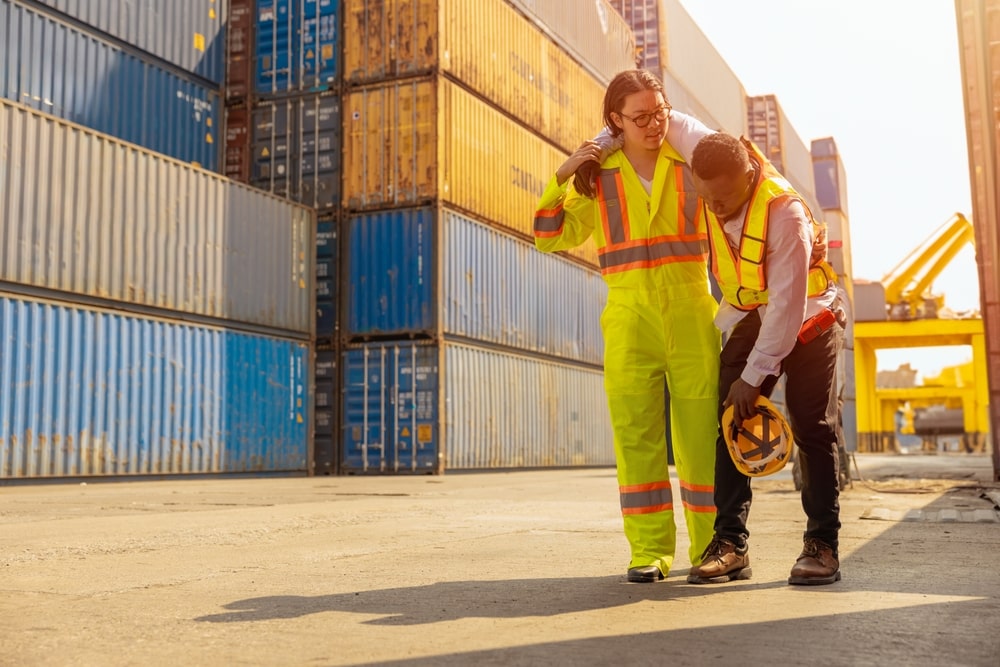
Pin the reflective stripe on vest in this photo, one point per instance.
(549, 222)
(646, 498)
(698, 498)
(622, 253)
(742, 275)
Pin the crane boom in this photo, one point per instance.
(908, 282)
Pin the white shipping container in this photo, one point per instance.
(83, 213)
(687, 54)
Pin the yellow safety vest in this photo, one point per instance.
(742, 275)
(636, 234)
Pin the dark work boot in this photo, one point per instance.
(817, 564)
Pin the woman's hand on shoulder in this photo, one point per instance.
(589, 151)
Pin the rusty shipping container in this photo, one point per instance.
(487, 46)
(979, 43)
(239, 51)
(91, 391)
(425, 408)
(419, 141)
(592, 32)
(237, 160)
(90, 216)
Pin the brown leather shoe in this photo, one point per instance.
(721, 563)
(816, 565)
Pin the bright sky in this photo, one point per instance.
(882, 77)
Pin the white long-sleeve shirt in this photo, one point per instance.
(789, 244)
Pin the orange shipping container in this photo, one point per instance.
(416, 141)
(489, 47)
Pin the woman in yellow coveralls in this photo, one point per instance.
(657, 325)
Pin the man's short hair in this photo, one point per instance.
(719, 154)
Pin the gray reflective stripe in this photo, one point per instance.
(690, 201)
(550, 223)
(697, 498)
(656, 251)
(612, 206)
(647, 498)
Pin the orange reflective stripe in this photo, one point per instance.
(646, 498)
(698, 498)
(549, 221)
(647, 253)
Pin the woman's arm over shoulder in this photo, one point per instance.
(684, 133)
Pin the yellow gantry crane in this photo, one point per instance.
(907, 286)
(909, 317)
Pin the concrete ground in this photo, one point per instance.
(497, 568)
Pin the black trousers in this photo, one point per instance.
(811, 400)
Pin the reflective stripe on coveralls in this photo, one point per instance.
(621, 254)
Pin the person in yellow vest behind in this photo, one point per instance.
(781, 309)
(657, 325)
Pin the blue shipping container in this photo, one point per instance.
(59, 69)
(432, 271)
(424, 408)
(186, 33)
(97, 392)
(297, 44)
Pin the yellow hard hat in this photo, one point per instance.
(760, 445)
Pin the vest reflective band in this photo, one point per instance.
(549, 222)
(698, 498)
(646, 498)
(742, 275)
(622, 252)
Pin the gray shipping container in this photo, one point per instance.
(86, 214)
(186, 33)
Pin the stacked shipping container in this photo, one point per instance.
(154, 317)
(166, 97)
(464, 346)
(283, 135)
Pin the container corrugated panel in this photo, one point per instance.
(643, 16)
(297, 149)
(238, 152)
(592, 32)
(187, 33)
(98, 392)
(54, 67)
(422, 140)
(328, 280)
(326, 447)
(88, 215)
(511, 63)
(979, 42)
(436, 272)
(829, 175)
(239, 50)
(297, 46)
(412, 408)
(770, 129)
(702, 69)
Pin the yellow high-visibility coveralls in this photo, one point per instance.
(658, 331)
